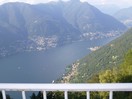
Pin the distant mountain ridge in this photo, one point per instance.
(125, 16)
(25, 27)
(87, 18)
(109, 9)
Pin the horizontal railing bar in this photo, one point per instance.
(67, 87)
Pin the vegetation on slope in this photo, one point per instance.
(121, 74)
(109, 56)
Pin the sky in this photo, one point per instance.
(120, 3)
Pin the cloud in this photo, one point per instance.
(93, 2)
(27, 1)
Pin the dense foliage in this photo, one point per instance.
(122, 74)
(60, 95)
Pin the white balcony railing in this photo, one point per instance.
(65, 88)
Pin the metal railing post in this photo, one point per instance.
(44, 95)
(111, 95)
(66, 95)
(23, 95)
(3, 94)
(88, 95)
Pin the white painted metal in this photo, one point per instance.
(44, 95)
(88, 95)
(65, 87)
(23, 95)
(111, 95)
(3, 94)
(66, 95)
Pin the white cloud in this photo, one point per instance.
(93, 2)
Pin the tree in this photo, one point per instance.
(122, 74)
(33, 96)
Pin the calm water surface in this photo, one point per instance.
(43, 66)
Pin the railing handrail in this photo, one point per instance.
(66, 87)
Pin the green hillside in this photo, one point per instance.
(122, 74)
(109, 56)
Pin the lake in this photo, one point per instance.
(43, 66)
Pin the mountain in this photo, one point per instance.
(31, 20)
(109, 9)
(109, 56)
(125, 16)
(26, 27)
(87, 18)
(33, 27)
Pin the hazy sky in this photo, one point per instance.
(121, 3)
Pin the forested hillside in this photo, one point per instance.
(120, 74)
(110, 64)
(107, 57)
